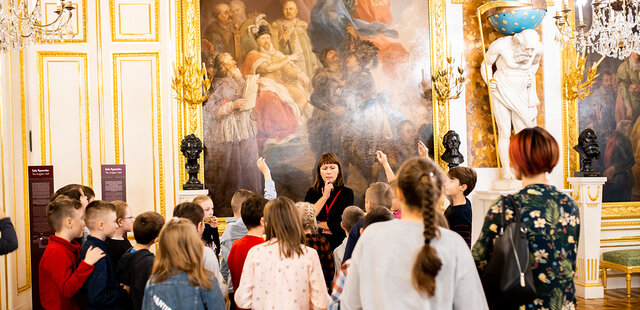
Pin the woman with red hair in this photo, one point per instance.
(551, 217)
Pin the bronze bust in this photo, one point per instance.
(589, 150)
(451, 155)
(191, 147)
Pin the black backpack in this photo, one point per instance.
(507, 278)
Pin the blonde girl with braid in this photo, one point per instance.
(316, 241)
(413, 263)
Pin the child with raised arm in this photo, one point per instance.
(252, 212)
(102, 290)
(282, 273)
(178, 279)
(135, 266)
(61, 274)
(378, 194)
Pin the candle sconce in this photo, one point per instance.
(575, 88)
(191, 85)
(448, 82)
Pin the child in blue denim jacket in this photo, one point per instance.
(178, 279)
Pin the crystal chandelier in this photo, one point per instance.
(614, 31)
(21, 24)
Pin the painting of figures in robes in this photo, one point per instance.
(613, 112)
(295, 79)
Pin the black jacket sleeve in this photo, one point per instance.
(9, 240)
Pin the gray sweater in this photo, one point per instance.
(379, 276)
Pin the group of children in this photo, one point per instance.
(271, 255)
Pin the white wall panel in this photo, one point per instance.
(136, 98)
(134, 20)
(64, 110)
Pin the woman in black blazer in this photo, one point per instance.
(330, 197)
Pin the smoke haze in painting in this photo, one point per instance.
(613, 112)
(337, 76)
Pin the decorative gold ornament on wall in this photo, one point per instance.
(578, 86)
(448, 83)
(190, 84)
(438, 36)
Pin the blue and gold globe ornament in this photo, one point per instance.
(509, 20)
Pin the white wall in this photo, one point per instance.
(102, 98)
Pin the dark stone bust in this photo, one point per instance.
(191, 147)
(451, 155)
(589, 150)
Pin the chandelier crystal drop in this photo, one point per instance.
(614, 31)
(22, 24)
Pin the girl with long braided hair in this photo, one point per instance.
(413, 263)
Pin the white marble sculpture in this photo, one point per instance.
(512, 87)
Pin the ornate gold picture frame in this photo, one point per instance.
(571, 129)
(188, 44)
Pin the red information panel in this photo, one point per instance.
(114, 182)
(40, 190)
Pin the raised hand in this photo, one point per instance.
(382, 158)
(93, 255)
(264, 168)
(423, 150)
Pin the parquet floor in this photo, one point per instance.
(613, 299)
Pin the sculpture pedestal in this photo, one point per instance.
(481, 204)
(188, 195)
(587, 192)
(507, 185)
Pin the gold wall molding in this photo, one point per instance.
(596, 196)
(4, 197)
(588, 284)
(620, 245)
(80, 10)
(620, 223)
(620, 239)
(156, 118)
(438, 37)
(25, 183)
(100, 84)
(188, 45)
(612, 211)
(115, 10)
(81, 60)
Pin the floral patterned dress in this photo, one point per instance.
(553, 222)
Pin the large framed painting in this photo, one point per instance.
(295, 79)
(613, 112)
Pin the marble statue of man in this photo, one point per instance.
(512, 87)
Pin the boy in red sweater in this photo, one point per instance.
(61, 274)
(252, 210)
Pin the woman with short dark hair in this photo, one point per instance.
(551, 217)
